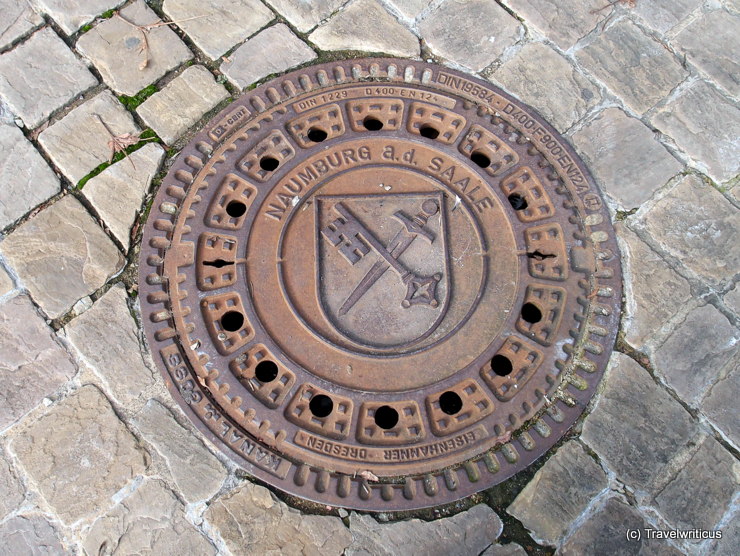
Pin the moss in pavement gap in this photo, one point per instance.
(85, 28)
(131, 103)
(108, 14)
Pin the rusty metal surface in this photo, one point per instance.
(380, 266)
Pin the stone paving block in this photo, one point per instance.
(562, 22)
(249, 63)
(511, 549)
(697, 225)
(243, 517)
(73, 14)
(304, 16)
(40, 76)
(30, 535)
(720, 404)
(472, 34)
(182, 102)
(605, 532)
(26, 178)
(79, 454)
(366, 25)
(116, 48)
(625, 157)
(663, 15)
(106, 338)
(6, 282)
(546, 81)
(11, 488)
(559, 492)
(693, 356)
(61, 255)
(634, 66)
(469, 532)
(117, 192)
(18, 19)
(732, 298)
(703, 489)
(78, 143)
(150, 521)
(218, 25)
(33, 365)
(656, 292)
(197, 473)
(701, 111)
(410, 8)
(636, 426)
(716, 57)
(727, 545)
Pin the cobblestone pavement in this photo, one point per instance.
(95, 457)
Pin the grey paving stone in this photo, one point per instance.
(243, 516)
(700, 111)
(33, 364)
(234, 21)
(410, 8)
(663, 15)
(636, 427)
(117, 192)
(304, 16)
(73, 14)
(634, 66)
(79, 142)
(472, 34)
(11, 488)
(558, 493)
(732, 298)
(79, 454)
(625, 157)
(40, 76)
(30, 535)
(6, 282)
(61, 255)
(655, 291)
(716, 57)
(468, 532)
(117, 49)
(181, 103)
(727, 545)
(366, 25)
(545, 80)
(249, 63)
(197, 473)
(511, 549)
(720, 404)
(703, 489)
(696, 224)
(26, 178)
(150, 521)
(606, 533)
(692, 357)
(562, 22)
(18, 19)
(109, 323)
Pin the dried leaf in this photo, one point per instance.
(368, 476)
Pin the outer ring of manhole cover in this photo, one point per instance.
(380, 284)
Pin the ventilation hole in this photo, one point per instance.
(386, 417)
(429, 132)
(480, 159)
(517, 201)
(316, 135)
(372, 124)
(501, 365)
(269, 163)
(266, 371)
(235, 209)
(321, 405)
(450, 403)
(540, 256)
(232, 321)
(218, 263)
(531, 313)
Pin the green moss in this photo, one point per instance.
(85, 28)
(623, 214)
(108, 14)
(131, 103)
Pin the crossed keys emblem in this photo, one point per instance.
(354, 241)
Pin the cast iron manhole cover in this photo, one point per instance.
(380, 284)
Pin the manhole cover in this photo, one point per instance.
(380, 284)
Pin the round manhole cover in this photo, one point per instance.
(380, 284)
